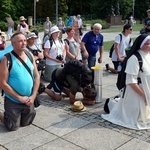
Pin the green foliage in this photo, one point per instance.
(104, 24)
(3, 26)
(88, 10)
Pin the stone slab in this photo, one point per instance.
(47, 116)
(31, 141)
(94, 137)
(59, 144)
(67, 126)
(135, 144)
(11, 136)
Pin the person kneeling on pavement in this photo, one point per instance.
(72, 78)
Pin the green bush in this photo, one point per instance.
(104, 24)
(3, 26)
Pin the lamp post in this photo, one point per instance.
(35, 1)
(56, 11)
(133, 4)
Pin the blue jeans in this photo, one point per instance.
(91, 61)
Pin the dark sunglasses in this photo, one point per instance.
(130, 29)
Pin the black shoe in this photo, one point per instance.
(106, 109)
(41, 88)
(117, 96)
(107, 66)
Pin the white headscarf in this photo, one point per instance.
(145, 40)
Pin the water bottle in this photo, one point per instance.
(119, 66)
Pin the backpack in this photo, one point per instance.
(66, 40)
(51, 40)
(9, 59)
(112, 47)
(122, 75)
(78, 71)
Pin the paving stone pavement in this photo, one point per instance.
(56, 127)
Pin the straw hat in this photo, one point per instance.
(54, 29)
(31, 35)
(22, 18)
(78, 106)
(78, 16)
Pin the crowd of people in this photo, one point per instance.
(83, 50)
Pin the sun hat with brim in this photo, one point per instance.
(22, 18)
(54, 29)
(78, 106)
(3, 34)
(31, 35)
(148, 10)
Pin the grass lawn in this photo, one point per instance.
(118, 28)
(108, 44)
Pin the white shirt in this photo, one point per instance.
(56, 49)
(79, 21)
(125, 42)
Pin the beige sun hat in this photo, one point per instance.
(54, 29)
(22, 18)
(78, 106)
(3, 34)
(31, 35)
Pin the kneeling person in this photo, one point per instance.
(63, 81)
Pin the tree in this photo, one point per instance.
(100, 8)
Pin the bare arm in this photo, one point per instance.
(84, 49)
(36, 83)
(18, 28)
(64, 54)
(101, 50)
(68, 52)
(117, 52)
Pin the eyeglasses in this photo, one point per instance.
(130, 29)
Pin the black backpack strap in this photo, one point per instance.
(29, 48)
(9, 61)
(66, 40)
(29, 55)
(51, 40)
(130, 40)
(113, 46)
(120, 37)
(137, 54)
(9, 64)
(60, 40)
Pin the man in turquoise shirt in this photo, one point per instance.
(20, 90)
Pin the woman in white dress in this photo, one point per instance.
(133, 109)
